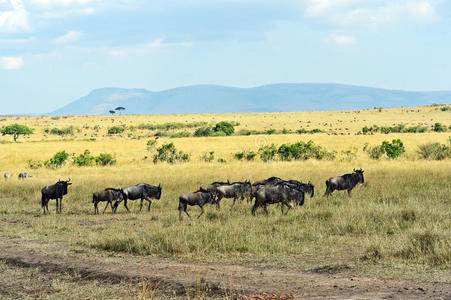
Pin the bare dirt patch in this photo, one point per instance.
(178, 278)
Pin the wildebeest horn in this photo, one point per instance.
(69, 179)
(354, 170)
(159, 185)
(59, 179)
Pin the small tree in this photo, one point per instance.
(393, 149)
(15, 130)
(225, 127)
(112, 112)
(119, 109)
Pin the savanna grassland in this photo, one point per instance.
(396, 225)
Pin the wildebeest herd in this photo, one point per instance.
(273, 190)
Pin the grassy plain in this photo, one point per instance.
(397, 224)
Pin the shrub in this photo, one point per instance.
(105, 159)
(303, 151)
(438, 127)
(267, 152)
(64, 131)
(375, 152)
(168, 153)
(85, 159)
(116, 130)
(248, 155)
(434, 151)
(58, 160)
(180, 134)
(208, 156)
(34, 164)
(203, 131)
(221, 160)
(225, 127)
(394, 149)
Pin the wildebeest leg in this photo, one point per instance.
(184, 209)
(349, 192)
(95, 208)
(108, 203)
(266, 209)
(282, 208)
(254, 207)
(218, 200)
(202, 212)
(125, 204)
(150, 203)
(141, 205)
(56, 205)
(234, 200)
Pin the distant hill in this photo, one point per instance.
(268, 98)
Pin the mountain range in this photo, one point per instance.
(283, 97)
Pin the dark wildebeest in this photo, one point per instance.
(24, 175)
(282, 194)
(141, 191)
(235, 190)
(7, 176)
(197, 198)
(212, 187)
(308, 188)
(109, 195)
(55, 191)
(345, 182)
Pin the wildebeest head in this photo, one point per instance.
(64, 184)
(360, 174)
(158, 196)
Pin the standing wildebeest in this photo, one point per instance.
(282, 194)
(55, 191)
(141, 191)
(197, 198)
(212, 187)
(308, 188)
(24, 175)
(7, 176)
(235, 190)
(345, 182)
(109, 195)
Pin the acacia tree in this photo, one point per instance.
(120, 109)
(112, 112)
(15, 130)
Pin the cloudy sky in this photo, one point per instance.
(55, 51)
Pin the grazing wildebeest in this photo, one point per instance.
(282, 194)
(235, 190)
(196, 198)
(141, 191)
(7, 176)
(24, 175)
(345, 182)
(55, 191)
(109, 195)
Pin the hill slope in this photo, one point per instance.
(268, 98)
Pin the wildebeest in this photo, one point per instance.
(141, 191)
(55, 191)
(7, 176)
(212, 187)
(235, 190)
(109, 195)
(196, 198)
(344, 182)
(308, 188)
(282, 194)
(24, 175)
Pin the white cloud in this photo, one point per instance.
(370, 13)
(146, 48)
(47, 4)
(15, 18)
(11, 62)
(343, 39)
(70, 37)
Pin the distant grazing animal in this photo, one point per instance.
(7, 176)
(141, 191)
(282, 194)
(199, 198)
(345, 182)
(24, 175)
(235, 190)
(55, 191)
(109, 195)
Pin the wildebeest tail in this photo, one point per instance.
(94, 198)
(180, 203)
(43, 200)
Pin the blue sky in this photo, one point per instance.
(55, 51)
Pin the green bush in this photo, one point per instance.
(203, 131)
(375, 152)
(64, 131)
(248, 155)
(208, 156)
(434, 151)
(303, 151)
(34, 164)
(394, 149)
(225, 127)
(268, 152)
(438, 127)
(116, 130)
(85, 159)
(105, 159)
(168, 153)
(58, 160)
